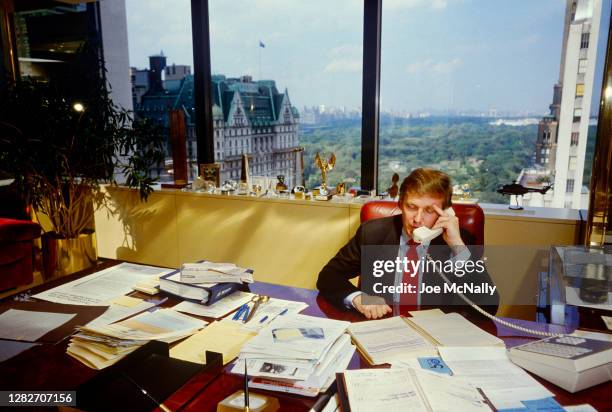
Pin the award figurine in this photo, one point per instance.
(280, 185)
(393, 190)
(325, 166)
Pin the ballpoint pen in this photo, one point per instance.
(284, 311)
(241, 311)
(246, 388)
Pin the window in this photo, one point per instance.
(442, 102)
(584, 41)
(295, 69)
(574, 139)
(572, 163)
(162, 68)
(569, 186)
(579, 90)
(582, 66)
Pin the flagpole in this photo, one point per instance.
(259, 48)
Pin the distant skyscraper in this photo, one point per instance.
(562, 135)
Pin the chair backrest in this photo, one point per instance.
(471, 216)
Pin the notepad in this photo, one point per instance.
(224, 337)
(452, 329)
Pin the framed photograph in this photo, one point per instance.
(212, 172)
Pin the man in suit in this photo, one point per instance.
(425, 195)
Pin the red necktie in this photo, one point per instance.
(411, 256)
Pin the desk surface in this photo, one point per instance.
(48, 367)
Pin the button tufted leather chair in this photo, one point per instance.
(16, 266)
(471, 216)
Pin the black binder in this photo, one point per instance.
(142, 380)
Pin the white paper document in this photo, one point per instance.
(390, 340)
(101, 287)
(216, 310)
(28, 325)
(448, 394)
(452, 329)
(382, 390)
(489, 369)
(117, 311)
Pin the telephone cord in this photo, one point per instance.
(495, 318)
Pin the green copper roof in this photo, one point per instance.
(261, 100)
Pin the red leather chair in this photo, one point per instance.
(16, 266)
(471, 216)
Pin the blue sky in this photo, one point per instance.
(439, 54)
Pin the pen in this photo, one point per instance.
(246, 388)
(276, 316)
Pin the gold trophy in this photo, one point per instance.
(325, 166)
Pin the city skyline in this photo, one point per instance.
(445, 55)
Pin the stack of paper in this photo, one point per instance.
(122, 308)
(218, 309)
(389, 340)
(149, 286)
(210, 272)
(298, 354)
(99, 345)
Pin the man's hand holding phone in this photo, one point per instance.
(449, 223)
(376, 307)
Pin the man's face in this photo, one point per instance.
(418, 211)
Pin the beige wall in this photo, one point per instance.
(288, 241)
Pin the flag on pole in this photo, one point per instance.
(263, 46)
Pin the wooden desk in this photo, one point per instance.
(48, 367)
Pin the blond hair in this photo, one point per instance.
(425, 181)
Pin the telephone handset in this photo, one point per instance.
(424, 234)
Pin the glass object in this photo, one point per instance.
(582, 277)
(298, 192)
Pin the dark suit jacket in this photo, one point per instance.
(333, 282)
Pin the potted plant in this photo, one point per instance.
(61, 140)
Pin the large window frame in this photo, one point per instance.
(372, 27)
